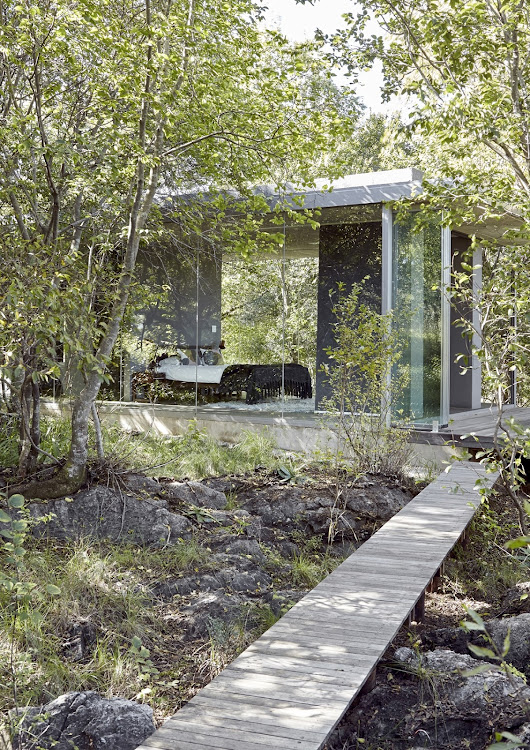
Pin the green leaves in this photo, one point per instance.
(16, 501)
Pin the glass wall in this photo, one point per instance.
(417, 306)
(220, 332)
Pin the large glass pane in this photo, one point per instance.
(417, 305)
(175, 336)
(350, 253)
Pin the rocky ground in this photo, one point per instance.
(259, 543)
(256, 545)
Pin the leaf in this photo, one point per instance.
(52, 589)
(481, 651)
(4, 517)
(475, 616)
(16, 501)
(478, 670)
(521, 541)
(136, 642)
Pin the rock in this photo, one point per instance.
(244, 582)
(196, 493)
(197, 617)
(86, 721)
(184, 586)
(376, 502)
(287, 549)
(222, 560)
(103, 513)
(254, 529)
(458, 639)
(519, 629)
(517, 599)
(436, 706)
(139, 484)
(248, 548)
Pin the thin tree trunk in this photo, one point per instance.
(99, 437)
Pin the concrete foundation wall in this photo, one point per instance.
(298, 434)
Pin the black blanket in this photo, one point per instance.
(265, 381)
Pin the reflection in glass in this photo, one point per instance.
(417, 303)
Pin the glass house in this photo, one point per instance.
(178, 350)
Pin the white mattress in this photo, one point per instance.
(173, 370)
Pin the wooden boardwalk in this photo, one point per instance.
(292, 686)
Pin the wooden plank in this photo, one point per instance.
(217, 718)
(294, 683)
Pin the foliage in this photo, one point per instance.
(194, 455)
(484, 569)
(103, 105)
(19, 596)
(270, 310)
(466, 70)
(362, 396)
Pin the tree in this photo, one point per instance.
(466, 69)
(104, 107)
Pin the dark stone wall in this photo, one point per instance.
(348, 253)
(460, 385)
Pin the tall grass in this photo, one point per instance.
(194, 455)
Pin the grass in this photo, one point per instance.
(101, 585)
(194, 455)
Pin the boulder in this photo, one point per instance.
(86, 721)
(139, 484)
(436, 706)
(104, 513)
(519, 629)
(196, 493)
(197, 617)
(518, 626)
(375, 501)
(247, 547)
(252, 583)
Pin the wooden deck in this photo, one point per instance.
(472, 429)
(292, 686)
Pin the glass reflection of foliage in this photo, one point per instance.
(169, 278)
(254, 301)
(167, 299)
(417, 314)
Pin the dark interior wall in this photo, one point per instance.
(461, 394)
(175, 294)
(348, 253)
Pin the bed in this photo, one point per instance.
(258, 382)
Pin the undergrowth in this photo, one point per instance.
(483, 568)
(194, 455)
